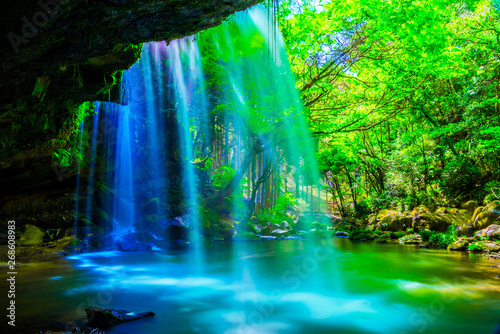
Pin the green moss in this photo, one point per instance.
(361, 234)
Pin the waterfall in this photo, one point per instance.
(221, 102)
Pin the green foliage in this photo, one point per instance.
(246, 227)
(287, 207)
(361, 234)
(406, 238)
(426, 235)
(459, 176)
(320, 226)
(441, 240)
(402, 96)
(397, 235)
(476, 247)
(222, 176)
(67, 157)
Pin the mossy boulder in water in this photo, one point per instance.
(492, 232)
(133, 242)
(484, 246)
(459, 245)
(411, 239)
(424, 219)
(279, 232)
(470, 206)
(391, 220)
(453, 216)
(285, 225)
(491, 246)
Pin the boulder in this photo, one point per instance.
(174, 229)
(186, 221)
(484, 246)
(284, 225)
(32, 235)
(279, 232)
(459, 245)
(470, 206)
(457, 217)
(246, 227)
(341, 234)
(411, 239)
(391, 220)
(492, 232)
(426, 220)
(105, 318)
(491, 246)
(266, 230)
(336, 220)
(484, 216)
(133, 242)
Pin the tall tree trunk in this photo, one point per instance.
(235, 181)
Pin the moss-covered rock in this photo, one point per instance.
(470, 206)
(411, 239)
(459, 245)
(492, 232)
(439, 220)
(484, 216)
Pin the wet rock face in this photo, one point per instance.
(57, 54)
(43, 37)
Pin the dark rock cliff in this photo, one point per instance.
(56, 54)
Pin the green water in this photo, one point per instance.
(289, 286)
